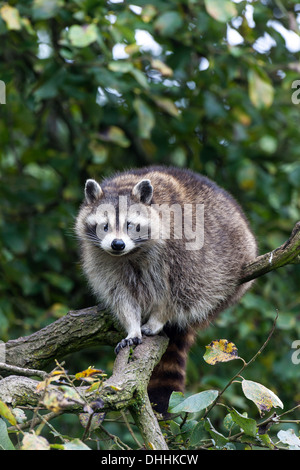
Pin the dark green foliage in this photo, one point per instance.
(75, 110)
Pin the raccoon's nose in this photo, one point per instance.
(117, 244)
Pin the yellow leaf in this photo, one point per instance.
(88, 372)
(114, 387)
(148, 13)
(6, 413)
(220, 351)
(164, 69)
(167, 105)
(11, 17)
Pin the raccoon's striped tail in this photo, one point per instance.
(169, 375)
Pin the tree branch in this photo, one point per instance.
(75, 331)
(288, 253)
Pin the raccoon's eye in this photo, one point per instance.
(132, 227)
(105, 228)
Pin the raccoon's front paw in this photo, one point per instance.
(127, 342)
(152, 327)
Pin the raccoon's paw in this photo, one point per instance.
(152, 327)
(127, 342)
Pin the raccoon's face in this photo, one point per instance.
(118, 226)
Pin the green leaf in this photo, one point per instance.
(195, 403)
(198, 434)
(175, 399)
(123, 66)
(45, 9)
(219, 439)
(83, 36)
(248, 425)
(120, 66)
(168, 23)
(261, 91)
(145, 117)
(5, 442)
(220, 351)
(264, 398)
(221, 10)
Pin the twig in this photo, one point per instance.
(22, 371)
(130, 430)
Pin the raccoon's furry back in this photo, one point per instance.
(182, 289)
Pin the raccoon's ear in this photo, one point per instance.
(143, 191)
(92, 191)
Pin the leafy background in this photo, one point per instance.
(93, 87)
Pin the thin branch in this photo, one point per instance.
(22, 371)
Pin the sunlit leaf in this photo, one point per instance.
(11, 17)
(290, 438)
(164, 69)
(115, 135)
(264, 398)
(221, 10)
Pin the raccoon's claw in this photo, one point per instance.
(127, 342)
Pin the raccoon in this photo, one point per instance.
(163, 248)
